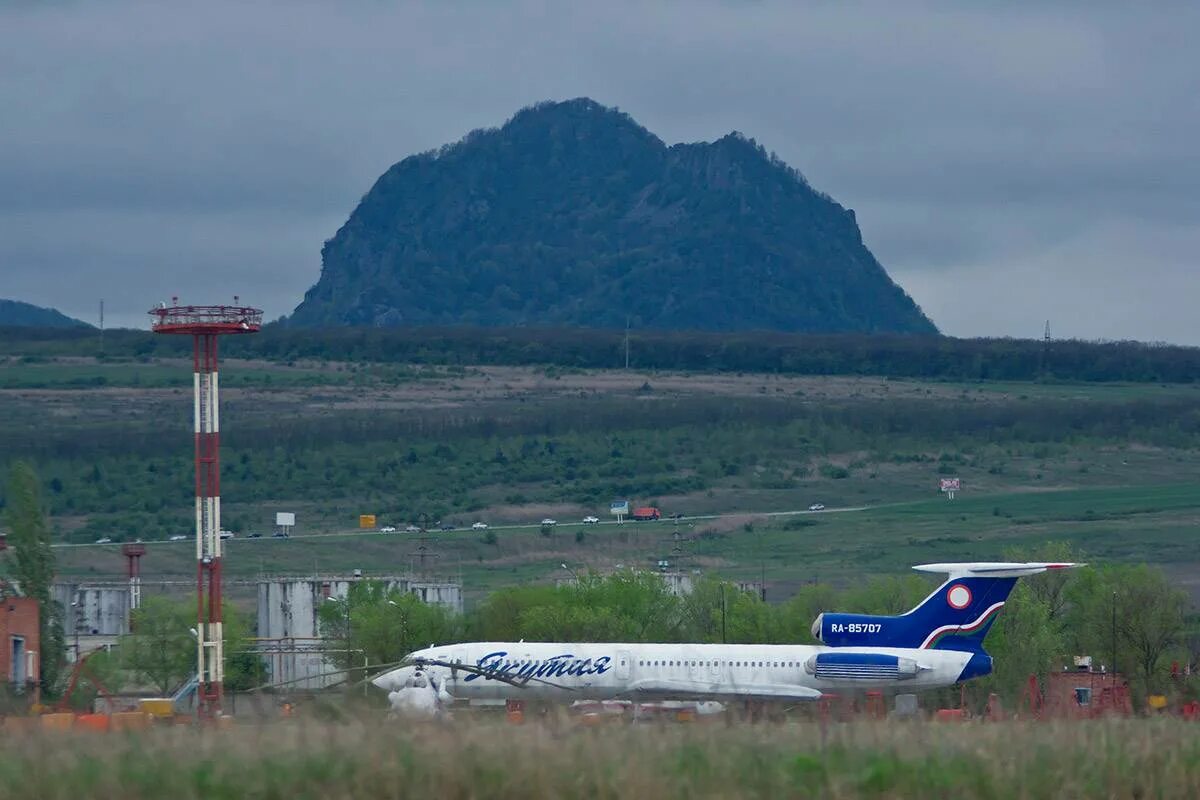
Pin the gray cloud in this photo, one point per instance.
(1007, 165)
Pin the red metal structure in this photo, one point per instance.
(206, 324)
(133, 552)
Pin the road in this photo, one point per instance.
(191, 542)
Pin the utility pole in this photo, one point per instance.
(1045, 352)
(1114, 639)
(627, 342)
(723, 639)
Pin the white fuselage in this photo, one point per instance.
(668, 671)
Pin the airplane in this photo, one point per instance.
(938, 643)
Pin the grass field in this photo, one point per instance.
(1111, 468)
(1152, 523)
(1117, 759)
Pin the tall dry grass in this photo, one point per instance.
(489, 758)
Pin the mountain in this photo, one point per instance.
(14, 313)
(572, 214)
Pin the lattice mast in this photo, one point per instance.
(206, 324)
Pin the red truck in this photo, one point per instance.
(647, 513)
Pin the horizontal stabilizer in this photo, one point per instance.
(993, 569)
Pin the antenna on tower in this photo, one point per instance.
(102, 326)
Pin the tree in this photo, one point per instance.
(161, 651)
(33, 565)
(1135, 609)
(379, 625)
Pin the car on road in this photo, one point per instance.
(387, 529)
(179, 537)
(816, 507)
(548, 521)
(446, 527)
(279, 535)
(254, 536)
(591, 520)
(104, 540)
(412, 529)
(479, 526)
(227, 534)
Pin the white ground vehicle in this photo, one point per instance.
(548, 521)
(479, 526)
(179, 537)
(412, 529)
(590, 520)
(387, 529)
(816, 507)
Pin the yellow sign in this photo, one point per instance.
(366, 520)
(1158, 701)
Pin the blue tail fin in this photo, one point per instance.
(956, 616)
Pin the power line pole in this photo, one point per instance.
(627, 342)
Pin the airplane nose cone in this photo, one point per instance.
(391, 681)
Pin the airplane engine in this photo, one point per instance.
(875, 667)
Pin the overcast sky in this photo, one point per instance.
(1007, 166)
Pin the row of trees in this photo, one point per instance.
(896, 355)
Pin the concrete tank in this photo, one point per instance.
(93, 609)
(289, 632)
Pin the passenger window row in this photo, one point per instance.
(765, 664)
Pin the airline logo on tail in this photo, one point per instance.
(956, 616)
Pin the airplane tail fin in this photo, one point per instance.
(956, 616)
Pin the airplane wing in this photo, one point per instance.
(662, 688)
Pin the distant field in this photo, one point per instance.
(1113, 468)
(489, 758)
(1154, 524)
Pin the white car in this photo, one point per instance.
(548, 521)
(412, 529)
(104, 540)
(227, 534)
(387, 529)
(590, 520)
(816, 507)
(179, 537)
(479, 526)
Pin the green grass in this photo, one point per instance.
(1153, 524)
(489, 758)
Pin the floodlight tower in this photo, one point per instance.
(205, 324)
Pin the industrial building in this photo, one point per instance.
(20, 642)
(289, 635)
(94, 614)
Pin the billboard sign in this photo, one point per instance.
(366, 521)
(951, 484)
(285, 519)
(619, 508)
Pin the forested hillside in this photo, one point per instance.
(14, 313)
(572, 214)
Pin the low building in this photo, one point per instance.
(20, 642)
(1084, 691)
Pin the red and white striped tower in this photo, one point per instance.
(205, 324)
